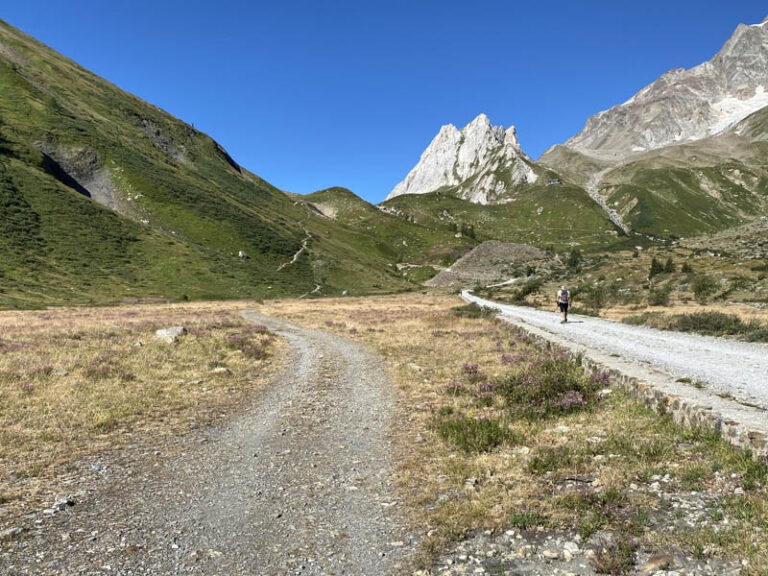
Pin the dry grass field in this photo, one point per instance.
(496, 432)
(493, 431)
(77, 382)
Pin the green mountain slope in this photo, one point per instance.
(684, 190)
(398, 234)
(557, 216)
(700, 187)
(104, 197)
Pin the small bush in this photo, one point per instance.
(574, 259)
(659, 296)
(708, 323)
(703, 287)
(716, 323)
(527, 519)
(473, 434)
(473, 310)
(530, 286)
(549, 386)
(594, 296)
(550, 459)
(616, 557)
(248, 343)
(756, 332)
(655, 269)
(643, 319)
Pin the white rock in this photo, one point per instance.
(170, 334)
(551, 554)
(572, 547)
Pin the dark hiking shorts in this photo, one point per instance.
(563, 306)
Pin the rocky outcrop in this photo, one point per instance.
(682, 105)
(84, 171)
(482, 163)
(491, 261)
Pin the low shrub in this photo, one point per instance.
(550, 459)
(594, 296)
(705, 322)
(472, 434)
(659, 295)
(756, 332)
(249, 342)
(616, 557)
(549, 386)
(655, 269)
(473, 310)
(527, 519)
(530, 286)
(703, 287)
(708, 323)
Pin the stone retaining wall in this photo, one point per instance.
(739, 424)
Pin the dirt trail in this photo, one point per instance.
(301, 483)
(304, 246)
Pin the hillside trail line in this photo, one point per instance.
(300, 483)
(724, 367)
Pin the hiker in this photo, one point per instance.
(563, 301)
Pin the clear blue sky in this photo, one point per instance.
(312, 94)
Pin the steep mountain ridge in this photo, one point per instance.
(104, 197)
(481, 163)
(682, 105)
(684, 155)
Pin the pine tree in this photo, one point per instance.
(656, 268)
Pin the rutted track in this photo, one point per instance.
(301, 483)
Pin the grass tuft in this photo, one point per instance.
(473, 435)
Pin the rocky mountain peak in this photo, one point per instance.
(488, 155)
(684, 105)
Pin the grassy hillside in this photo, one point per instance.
(685, 190)
(558, 216)
(106, 197)
(397, 233)
(573, 166)
(675, 201)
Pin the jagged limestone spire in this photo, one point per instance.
(486, 157)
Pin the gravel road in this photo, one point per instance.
(739, 369)
(300, 483)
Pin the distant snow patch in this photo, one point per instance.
(731, 110)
